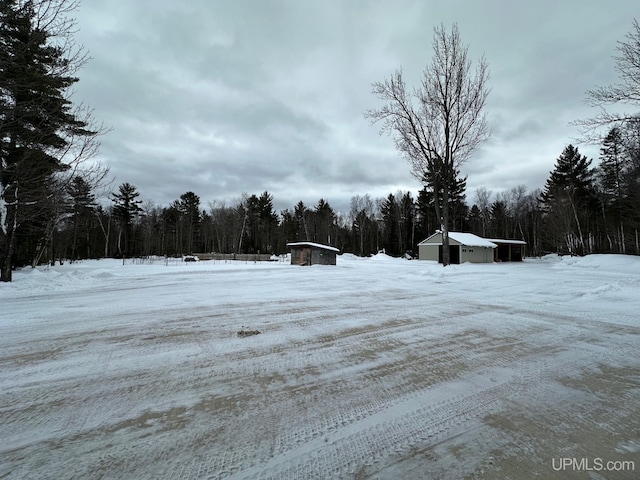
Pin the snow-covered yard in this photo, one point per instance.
(374, 368)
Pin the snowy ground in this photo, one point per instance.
(374, 368)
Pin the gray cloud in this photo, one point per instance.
(226, 97)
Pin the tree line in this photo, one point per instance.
(49, 193)
(581, 209)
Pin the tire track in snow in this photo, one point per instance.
(362, 441)
(390, 432)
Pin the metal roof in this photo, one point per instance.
(312, 244)
(467, 239)
(510, 242)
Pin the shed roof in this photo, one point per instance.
(312, 244)
(467, 239)
(509, 242)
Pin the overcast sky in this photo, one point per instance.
(225, 97)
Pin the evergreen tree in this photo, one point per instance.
(475, 221)
(83, 203)
(456, 201)
(499, 216)
(268, 221)
(426, 220)
(288, 227)
(126, 208)
(189, 212)
(324, 220)
(570, 202)
(398, 215)
(390, 212)
(407, 222)
(38, 125)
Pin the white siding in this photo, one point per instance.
(476, 255)
(428, 252)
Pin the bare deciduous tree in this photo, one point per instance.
(626, 91)
(441, 123)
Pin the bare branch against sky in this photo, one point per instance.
(624, 94)
(443, 122)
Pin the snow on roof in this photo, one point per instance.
(467, 239)
(511, 242)
(312, 244)
(471, 240)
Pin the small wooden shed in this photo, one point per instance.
(309, 253)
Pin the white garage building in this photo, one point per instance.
(463, 247)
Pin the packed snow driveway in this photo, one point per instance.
(374, 368)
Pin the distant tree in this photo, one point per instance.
(302, 214)
(258, 223)
(126, 207)
(483, 200)
(83, 203)
(611, 177)
(41, 132)
(428, 198)
(151, 229)
(227, 226)
(207, 231)
(475, 221)
(458, 209)
(288, 227)
(398, 222)
(268, 221)
(391, 236)
(407, 222)
(104, 218)
(188, 207)
(324, 220)
(631, 206)
(441, 124)
(426, 220)
(363, 225)
(499, 216)
(570, 201)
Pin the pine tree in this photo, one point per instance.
(268, 220)
(82, 205)
(456, 199)
(570, 201)
(324, 220)
(189, 210)
(38, 125)
(126, 208)
(390, 212)
(499, 219)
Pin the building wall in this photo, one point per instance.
(437, 239)
(467, 254)
(476, 254)
(428, 252)
(300, 255)
(320, 256)
(312, 256)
